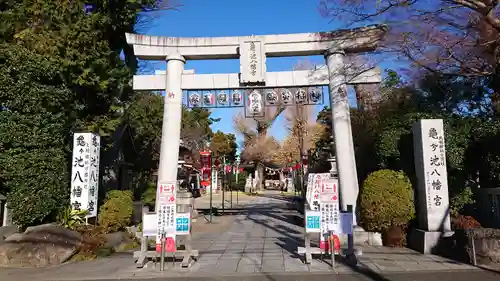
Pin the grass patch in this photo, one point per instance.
(92, 243)
(92, 255)
(134, 244)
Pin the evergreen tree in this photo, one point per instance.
(61, 73)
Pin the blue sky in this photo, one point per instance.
(198, 18)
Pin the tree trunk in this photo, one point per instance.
(260, 175)
(261, 132)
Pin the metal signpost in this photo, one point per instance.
(237, 180)
(223, 185)
(229, 180)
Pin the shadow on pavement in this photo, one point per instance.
(290, 245)
(365, 271)
(280, 197)
(496, 271)
(284, 226)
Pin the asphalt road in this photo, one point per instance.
(427, 276)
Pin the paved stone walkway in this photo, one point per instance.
(265, 239)
(427, 276)
(237, 199)
(261, 240)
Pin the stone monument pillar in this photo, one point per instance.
(341, 120)
(433, 214)
(171, 127)
(248, 184)
(5, 214)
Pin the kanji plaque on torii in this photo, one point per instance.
(252, 62)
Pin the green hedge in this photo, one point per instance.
(116, 212)
(386, 200)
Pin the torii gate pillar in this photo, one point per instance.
(342, 132)
(171, 127)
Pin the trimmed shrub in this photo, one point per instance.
(459, 201)
(116, 212)
(386, 201)
(148, 197)
(464, 222)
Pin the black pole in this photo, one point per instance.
(223, 189)
(212, 172)
(230, 186)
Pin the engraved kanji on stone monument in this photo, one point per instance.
(430, 165)
(79, 189)
(93, 191)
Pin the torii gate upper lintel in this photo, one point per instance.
(356, 40)
(252, 52)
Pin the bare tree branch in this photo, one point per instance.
(451, 36)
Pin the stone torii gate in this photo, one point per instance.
(252, 52)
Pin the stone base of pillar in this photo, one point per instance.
(362, 237)
(428, 242)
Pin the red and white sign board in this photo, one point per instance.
(166, 188)
(329, 191)
(330, 211)
(166, 215)
(314, 187)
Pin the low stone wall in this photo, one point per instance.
(459, 247)
(486, 245)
